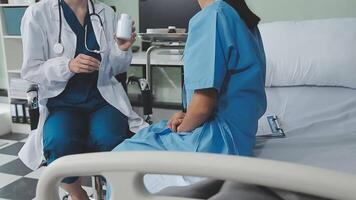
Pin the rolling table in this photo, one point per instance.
(168, 41)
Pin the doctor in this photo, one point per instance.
(70, 52)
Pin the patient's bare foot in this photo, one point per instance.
(82, 196)
(76, 191)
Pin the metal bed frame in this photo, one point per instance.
(125, 170)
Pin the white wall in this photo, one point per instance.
(273, 10)
(268, 10)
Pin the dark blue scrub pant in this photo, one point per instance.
(68, 132)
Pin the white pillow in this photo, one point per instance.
(315, 52)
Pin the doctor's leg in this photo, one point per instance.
(108, 127)
(65, 133)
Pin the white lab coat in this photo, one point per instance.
(40, 29)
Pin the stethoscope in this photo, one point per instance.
(58, 48)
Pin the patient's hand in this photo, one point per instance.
(175, 121)
(199, 110)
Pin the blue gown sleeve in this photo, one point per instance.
(205, 56)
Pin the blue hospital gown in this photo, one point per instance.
(221, 53)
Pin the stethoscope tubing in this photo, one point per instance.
(58, 47)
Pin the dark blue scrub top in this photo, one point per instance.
(81, 89)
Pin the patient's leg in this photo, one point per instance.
(148, 139)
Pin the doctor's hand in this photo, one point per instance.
(125, 45)
(84, 64)
(175, 121)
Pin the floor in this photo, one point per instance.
(17, 182)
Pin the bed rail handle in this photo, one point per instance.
(125, 170)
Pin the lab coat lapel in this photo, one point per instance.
(96, 23)
(98, 8)
(55, 17)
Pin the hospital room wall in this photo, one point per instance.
(271, 10)
(279, 10)
(274, 10)
(126, 6)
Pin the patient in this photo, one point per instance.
(224, 79)
(224, 95)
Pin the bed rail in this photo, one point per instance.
(125, 171)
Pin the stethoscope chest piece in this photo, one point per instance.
(58, 48)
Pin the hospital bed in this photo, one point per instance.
(311, 87)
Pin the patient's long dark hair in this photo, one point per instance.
(250, 18)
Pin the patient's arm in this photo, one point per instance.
(199, 110)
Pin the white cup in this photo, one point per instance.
(124, 27)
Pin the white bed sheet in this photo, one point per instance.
(320, 124)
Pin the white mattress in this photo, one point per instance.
(320, 123)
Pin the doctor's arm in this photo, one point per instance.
(120, 52)
(36, 68)
(200, 109)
